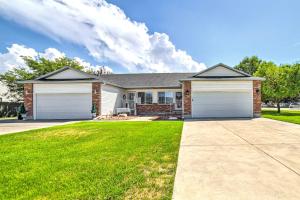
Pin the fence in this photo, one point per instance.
(8, 109)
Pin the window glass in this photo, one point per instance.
(178, 100)
(131, 96)
(161, 97)
(141, 96)
(148, 97)
(145, 97)
(165, 97)
(169, 97)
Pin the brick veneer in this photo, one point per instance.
(256, 98)
(187, 99)
(148, 109)
(96, 96)
(28, 99)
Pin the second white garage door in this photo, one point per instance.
(63, 106)
(221, 104)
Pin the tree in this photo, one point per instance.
(282, 82)
(249, 64)
(100, 70)
(294, 80)
(34, 69)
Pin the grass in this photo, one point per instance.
(7, 118)
(91, 160)
(291, 116)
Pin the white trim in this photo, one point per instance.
(34, 104)
(226, 67)
(62, 82)
(183, 97)
(224, 79)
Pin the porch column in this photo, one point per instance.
(96, 96)
(256, 98)
(187, 99)
(28, 100)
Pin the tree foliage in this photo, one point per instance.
(282, 82)
(249, 64)
(34, 69)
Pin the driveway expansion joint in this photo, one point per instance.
(259, 149)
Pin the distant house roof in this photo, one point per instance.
(145, 80)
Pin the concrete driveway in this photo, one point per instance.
(12, 126)
(238, 159)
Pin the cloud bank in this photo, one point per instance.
(104, 30)
(13, 57)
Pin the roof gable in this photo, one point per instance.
(221, 70)
(67, 73)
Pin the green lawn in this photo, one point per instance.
(91, 160)
(284, 115)
(7, 118)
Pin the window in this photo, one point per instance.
(145, 97)
(178, 98)
(165, 97)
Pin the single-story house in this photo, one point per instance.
(219, 91)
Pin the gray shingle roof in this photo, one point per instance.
(145, 80)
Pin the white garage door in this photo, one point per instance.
(221, 104)
(63, 106)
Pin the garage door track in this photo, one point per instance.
(238, 159)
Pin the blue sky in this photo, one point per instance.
(210, 31)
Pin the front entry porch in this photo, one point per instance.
(153, 102)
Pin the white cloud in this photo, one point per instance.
(104, 30)
(52, 54)
(13, 57)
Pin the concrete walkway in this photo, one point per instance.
(238, 159)
(12, 126)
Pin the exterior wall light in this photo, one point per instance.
(187, 92)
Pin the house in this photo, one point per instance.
(219, 91)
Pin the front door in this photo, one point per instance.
(178, 99)
(131, 102)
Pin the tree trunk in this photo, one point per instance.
(278, 107)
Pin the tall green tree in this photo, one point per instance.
(34, 69)
(294, 80)
(282, 82)
(249, 64)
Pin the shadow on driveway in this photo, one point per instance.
(13, 125)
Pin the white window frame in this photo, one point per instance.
(145, 101)
(171, 95)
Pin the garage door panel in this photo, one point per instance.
(222, 104)
(63, 106)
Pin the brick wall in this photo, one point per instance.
(187, 99)
(28, 99)
(96, 96)
(153, 109)
(256, 98)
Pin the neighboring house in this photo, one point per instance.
(219, 91)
